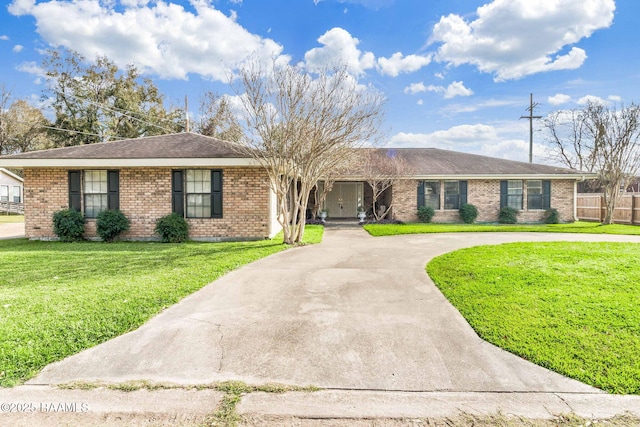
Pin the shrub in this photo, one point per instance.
(507, 215)
(551, 216)
(425, 213)
(68, 225)
(110, 224)
(172, 228)
(468, 213)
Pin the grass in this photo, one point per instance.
(570, 307)
(6, 219)
(57, 299)
(576, 227)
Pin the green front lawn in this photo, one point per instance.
(5, 219)
(576, 227)
(570, 307)
(57, 299)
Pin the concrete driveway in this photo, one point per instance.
(355, 313)
(11, 230)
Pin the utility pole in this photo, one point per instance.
(531, 117)
(186, 112)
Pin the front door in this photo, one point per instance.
(343, 199)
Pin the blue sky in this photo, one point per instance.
(456, 74)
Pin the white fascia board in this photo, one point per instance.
(126, 163)
(577, 177)
(11, 174)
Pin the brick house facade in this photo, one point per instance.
(485, 195)
(225, 195)
(145, 196)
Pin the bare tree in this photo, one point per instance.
(602, 140)
(568, 139)
(302, 126)
(616, 151)
(381, 169)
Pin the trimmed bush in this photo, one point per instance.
(507, 215)
(110, 224)
(68, 225)
(468, 213)
(425, 213)
(551, 216)
(172, 228)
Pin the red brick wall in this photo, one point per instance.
(485, 195)
(145, 196)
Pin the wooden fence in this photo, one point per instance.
(11, 207)
(591, 208)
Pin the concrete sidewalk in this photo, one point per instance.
(355, 315)
(11, 230)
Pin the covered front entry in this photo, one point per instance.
(344, 199)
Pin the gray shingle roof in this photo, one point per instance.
(184, 149)
(173, 146)
(437, 162)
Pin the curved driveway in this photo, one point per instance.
(355, 312)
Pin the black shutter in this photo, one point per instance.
(546, 194)
(216, 194)
(504, 192)
(75, 195)
(177, 192)
(113, 190)
(463, 193)
(420, 194)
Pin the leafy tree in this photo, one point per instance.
(22, 126)
(302, 126)
(217, 118)
(95, 101)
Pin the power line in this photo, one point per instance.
(117, 111)
(531, 117)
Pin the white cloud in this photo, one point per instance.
(451, 91)
(157, 36)
(31, 67)
(339, 49)
(398, 64)
(4, 37)
(420, 102)
(515, 38)
(558, 99)
(457, 89)
(503, 140)
(21, 7)
(592, 99)
(614, 98)
(17, 48)
(439, 76)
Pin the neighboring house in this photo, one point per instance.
(11, 191)
(225, 195)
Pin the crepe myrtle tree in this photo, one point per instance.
(602, 140)
(301, 126)
(381, 169)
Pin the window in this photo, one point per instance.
(432, 194)
(452, 195)
(511, 194)
(197, 192)
(17, 194)
(95, 190)
(538, 194)
(4, 193)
